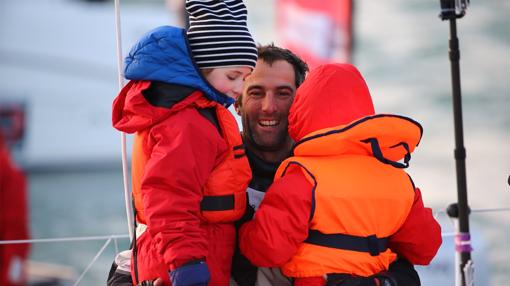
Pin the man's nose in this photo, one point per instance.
(269, 103)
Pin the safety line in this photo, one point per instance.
(96, 257)
(64, 239)
(486, 210)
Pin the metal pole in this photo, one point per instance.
(460, 151)
(462, 239)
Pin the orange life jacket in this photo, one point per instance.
(361, 196)
(225, 190)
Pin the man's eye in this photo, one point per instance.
(255, 94)
(231, 77)
(285, 94)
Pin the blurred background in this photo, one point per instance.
(58, 65)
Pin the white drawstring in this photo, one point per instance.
(127, 194)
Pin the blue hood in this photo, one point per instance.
(163, 55)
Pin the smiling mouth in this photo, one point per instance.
(268, 123)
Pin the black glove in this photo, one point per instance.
(348, 280)
(403, 273)
(385, 279)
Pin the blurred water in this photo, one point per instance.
(76, 204)
(59, 56)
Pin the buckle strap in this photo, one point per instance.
(217, 203)
(239, 151)
(371, 244)
(376, 150)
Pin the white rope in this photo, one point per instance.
(120, 77)
(116, 244)
(448, 234)
(92, 262)
(123, 236)
(93, 238)
(118, 41)
(64, 239)
(488, 210)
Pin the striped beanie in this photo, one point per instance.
(218, 35)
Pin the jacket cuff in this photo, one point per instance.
(183, 262)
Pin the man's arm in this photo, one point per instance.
(280, 224)
(418, 239)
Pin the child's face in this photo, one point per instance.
(228, 80)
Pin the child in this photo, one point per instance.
(189, 170)
(342, 206)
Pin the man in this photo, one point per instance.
(13, 215)
(264, 106)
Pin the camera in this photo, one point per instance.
(450, 8)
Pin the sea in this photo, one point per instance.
(58, 57)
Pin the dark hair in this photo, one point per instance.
(271, 53)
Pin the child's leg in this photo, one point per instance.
(222, 239)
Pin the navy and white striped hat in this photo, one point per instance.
(218, 35)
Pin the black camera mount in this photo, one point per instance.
(453, 9)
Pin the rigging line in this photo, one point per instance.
(120, 77)
(63, 239)
(115, 237)
(447, 234)
(116, 244)
(487, 210)
(93, 261)
(118, 42)
(490, 210)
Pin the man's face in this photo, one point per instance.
(267, 96)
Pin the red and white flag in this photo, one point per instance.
(319, 31)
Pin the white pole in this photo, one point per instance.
(127, 193)
(458, 274)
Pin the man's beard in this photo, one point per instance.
(262, 143)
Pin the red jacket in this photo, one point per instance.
(13, 221)
(183, 149)
(332, 96)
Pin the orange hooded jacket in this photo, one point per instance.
(345, 179)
